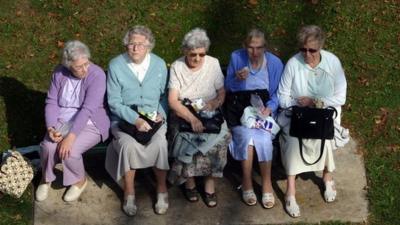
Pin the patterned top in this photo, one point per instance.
(203, 83)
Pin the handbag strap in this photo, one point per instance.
(320, 154)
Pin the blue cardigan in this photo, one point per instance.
(124, 89)
(240, 59)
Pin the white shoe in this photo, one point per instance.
(268, 200)
(162, 203)
(291, 206)
(74, 192)
(330, 191)
(249, 197)
(42, 192)
(129, 206)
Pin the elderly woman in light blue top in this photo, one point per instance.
(312, 77)
(137, 77)
(253, 68)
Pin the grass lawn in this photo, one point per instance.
(365, 35)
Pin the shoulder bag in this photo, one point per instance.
(211, 125)
(312, 123)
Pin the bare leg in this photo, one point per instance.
(265, 169)
(190, 184)
(209, 185)
(291, 185)
(326, 175)
(161, 177)
(129, 183)
(247, 165)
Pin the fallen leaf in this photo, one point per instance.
(60, 44)
(381, 121)
(253, 2)
(363, 81)
(18, 13)
(9, 66)
(18, 217)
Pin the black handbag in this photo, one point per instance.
(312, 123)
(211, 125)
(140, 136)
(237, 101)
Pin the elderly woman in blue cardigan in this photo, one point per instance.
(252, 70)
(137, 77)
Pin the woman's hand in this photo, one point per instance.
(305, 101)
(54, 135)
(242, 74)
(266, 111)
(142, 125)
(159, 118)
(196, 124)
(211, 105)
(65, 146)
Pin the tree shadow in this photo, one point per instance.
(24, 112)
(229, 21)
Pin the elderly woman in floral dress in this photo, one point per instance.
(197, 77)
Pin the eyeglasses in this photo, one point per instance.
(197, 54)
(80, 67)
(310, 50)
(139, 46)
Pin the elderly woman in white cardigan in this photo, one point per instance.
(312, 76)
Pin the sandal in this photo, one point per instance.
(191, 194)
(210, 199)
(291, 206)
(330, 191)
(268, 200)
(249, 197)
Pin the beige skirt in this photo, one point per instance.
(124, 153)
(290, 151)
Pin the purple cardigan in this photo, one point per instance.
(91, 99)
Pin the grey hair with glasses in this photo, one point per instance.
(141, 30)
(196, 38)
(310, 33)
(74, 50)
(254, 33)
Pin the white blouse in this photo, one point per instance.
(326, 81)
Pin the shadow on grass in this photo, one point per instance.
(24, 112)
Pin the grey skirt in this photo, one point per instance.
(124, 153)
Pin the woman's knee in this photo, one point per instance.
(48, 148)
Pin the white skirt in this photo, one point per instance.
(290, 151)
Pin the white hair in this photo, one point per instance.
(142, 30)
(196, 38)
(72, 51)
(310, 32)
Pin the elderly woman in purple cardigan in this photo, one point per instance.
(76, 119)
